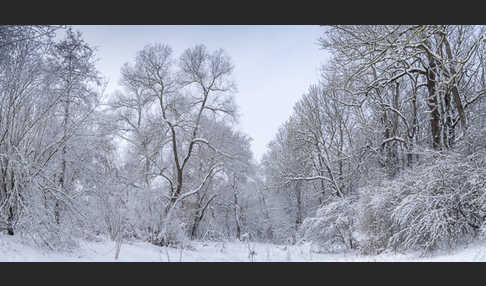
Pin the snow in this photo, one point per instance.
(12, 249)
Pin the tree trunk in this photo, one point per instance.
(10, 219)
(298, 218)
(454, 89)
(62, 178)
(269, 230)
(433, 105)
(236, 208)
(195, 226)
(200, 214)
(413, 132)
(449, 130)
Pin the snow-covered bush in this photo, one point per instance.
(38, 224)
(112, 213)
(331, 229)
(437, 205)
(445, 205)
(173, 234)
(373, 219)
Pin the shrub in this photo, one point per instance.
(331, 229)
(445, 204)
(374, 224)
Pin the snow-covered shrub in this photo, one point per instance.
(173, 234)
(445, 206)
(331, 229)
(482, 232)
(473, 141)
(211, 235)
(436, 205)
(373, 216)
(112, 213)
(38, 224)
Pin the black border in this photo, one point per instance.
(231, 12)
(224, 273)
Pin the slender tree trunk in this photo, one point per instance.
(10, 230)
(195, 226)
(236, 208)
(266, 214)
(11, 212)
(340, 156)
(413, 132)
(63, 176)
(298, 218)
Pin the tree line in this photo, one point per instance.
(386, 151)
(390, 142)
(158, 160)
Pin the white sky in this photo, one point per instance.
(274, 65)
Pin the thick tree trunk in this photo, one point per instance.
(432, 103)
(449, 130)
(454, 89)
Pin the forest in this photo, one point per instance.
(386, 153)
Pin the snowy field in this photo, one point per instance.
(11, 250)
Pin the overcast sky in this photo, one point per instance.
(274, 65)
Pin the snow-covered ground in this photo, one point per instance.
(12, 249)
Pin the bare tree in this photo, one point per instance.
(178, 100)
